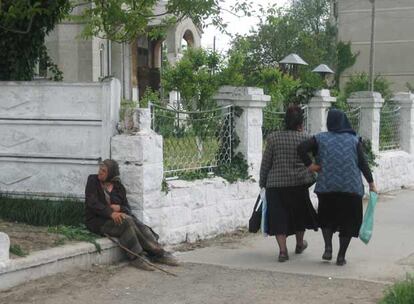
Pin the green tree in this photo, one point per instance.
(25, 23)
(195, 77)
(23, 27)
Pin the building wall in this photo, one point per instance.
(394, 37)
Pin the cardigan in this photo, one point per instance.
(281, 165)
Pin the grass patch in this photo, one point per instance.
(38, 212)
(79, 233)
(17, 250)
(400, 293)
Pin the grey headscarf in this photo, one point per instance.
(113, 171)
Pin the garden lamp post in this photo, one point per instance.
(291, 64)
(323, 70)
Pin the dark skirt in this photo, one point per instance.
(340, 212)
(290, 210)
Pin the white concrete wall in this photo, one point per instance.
(200, 209)
(395, 171)
(53, 134)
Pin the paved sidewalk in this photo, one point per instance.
(389, 255)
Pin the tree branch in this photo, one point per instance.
(29, 27)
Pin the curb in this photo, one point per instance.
(55, 260)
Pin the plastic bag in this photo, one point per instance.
(264, 223)
(365, 233)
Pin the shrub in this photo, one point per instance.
(42, 212)
(400, 293)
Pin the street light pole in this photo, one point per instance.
(372, 50)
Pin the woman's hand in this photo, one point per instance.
(118, 217)
(314, 168)
(372, 188)
(116, 208)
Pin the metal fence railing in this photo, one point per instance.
(390, 128)
(274, 121)
(193, 141)
(354, 116)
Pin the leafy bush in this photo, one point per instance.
(400, 293)
(42, 212)
(359, 82)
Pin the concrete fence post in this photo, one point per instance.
(249, 125)
(406, 101)
(4, 248)
(318, 111)
(140, 157)
(371, 104)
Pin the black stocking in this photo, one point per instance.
(343, 246)
(327, 237)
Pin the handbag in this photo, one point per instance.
(365, 233)
(256, 217)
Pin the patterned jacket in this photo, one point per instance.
(281, 165)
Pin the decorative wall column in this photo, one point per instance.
(249, 125)
(318, 111)
(140, 157)
(406, 101)
(371, 104)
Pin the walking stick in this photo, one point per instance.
(139, 257)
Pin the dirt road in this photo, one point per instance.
(195, 284)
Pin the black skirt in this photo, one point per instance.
(340, 212)
(290, 210)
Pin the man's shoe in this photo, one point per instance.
(166, 259)
(141, 263)
(300, 249)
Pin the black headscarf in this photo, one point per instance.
(338, 122)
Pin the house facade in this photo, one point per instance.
(137, 65)
(394, 41)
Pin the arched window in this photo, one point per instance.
(187, 40)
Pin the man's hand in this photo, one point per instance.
(314, 168)
(118, 217)
(116, 208)
(372, 188)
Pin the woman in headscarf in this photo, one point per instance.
(340, 160)
(286, 179)
(107, 211)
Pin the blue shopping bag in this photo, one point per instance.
(264, 227)
(367, 226)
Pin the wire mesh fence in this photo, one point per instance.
(354, 116)
(390, 128)
(274, 121)
(193, 141)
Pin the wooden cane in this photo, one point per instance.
(139, 257)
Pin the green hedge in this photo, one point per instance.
(400, 293)
(42, 212)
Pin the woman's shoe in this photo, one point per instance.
(340, 261)
(327, 255)
(166, 259)
(300, 249)
(283, 257)
(142, 263)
